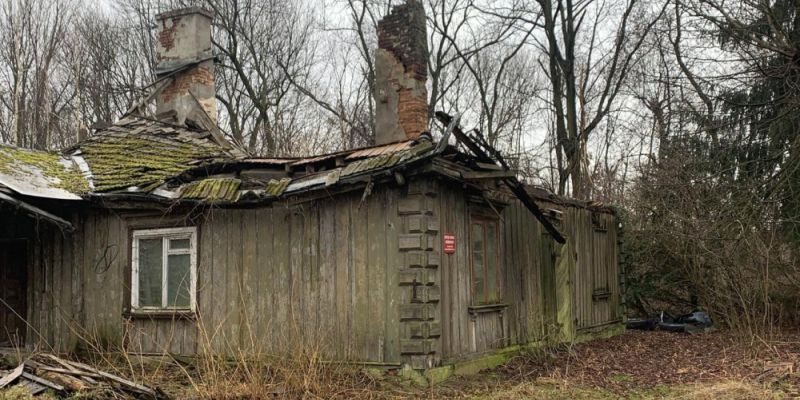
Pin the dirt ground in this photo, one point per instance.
(636, 365)
(641, 364)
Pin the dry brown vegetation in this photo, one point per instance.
(639, 365)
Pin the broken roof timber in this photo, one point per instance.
(37, 212)
(485, 153)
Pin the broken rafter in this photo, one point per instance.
(488, 154)
(37, 212)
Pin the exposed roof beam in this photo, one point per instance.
(484, 152)
(37, 212)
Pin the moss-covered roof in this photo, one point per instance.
(156, 158)
(38, 172)
(212, 189)
(142, 154)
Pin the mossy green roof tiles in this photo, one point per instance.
(142, 153)
(40, 173)
(276, 188)
(156, 158)
(212, 189)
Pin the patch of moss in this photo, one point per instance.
(212, 189)
(121, 162)
(13, 161)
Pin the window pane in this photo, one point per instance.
(477, 263)
(178, 281)
(491, 262)
(177, 244)
(150, 264)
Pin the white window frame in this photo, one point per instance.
(165, 235)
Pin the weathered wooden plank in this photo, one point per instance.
(76, 243)
(344, 277)
(65, 280)
(216, 331)
(376, 271)
(310, 268)
(233, 278)
(296, 296)
(327, 279)
(96, 228)
(282, 325)
(447, 278)
(461, 218)
(57, 311)
(361, 292)
(250, 298)
(111, 270)
(205, 286)
(263, 274)
(391, 284)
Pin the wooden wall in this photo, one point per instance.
(312, 275)
(359, 280)
(465, 331)
(539, 298)
(535, 290)
(270, 279)
(596, 299)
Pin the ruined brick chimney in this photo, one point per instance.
(184, 51)
(401, 72)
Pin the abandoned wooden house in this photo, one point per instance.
(157, 235)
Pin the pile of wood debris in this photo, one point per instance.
(45, 372)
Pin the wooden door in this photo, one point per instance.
(13, 293)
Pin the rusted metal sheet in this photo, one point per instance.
(381, 150)
(365, 152)
(315, 159)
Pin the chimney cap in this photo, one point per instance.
(185, 11)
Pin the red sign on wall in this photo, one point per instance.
(449, 243)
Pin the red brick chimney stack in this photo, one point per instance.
(184, 43)
(401, 74)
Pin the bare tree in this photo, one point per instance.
(586, 69)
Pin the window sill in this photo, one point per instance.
(487, 308)
(161, 314)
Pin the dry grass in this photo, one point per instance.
(301, 371)
(558, 390)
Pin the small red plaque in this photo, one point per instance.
(449, 243)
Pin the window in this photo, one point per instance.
(486, 274)
(164, 269)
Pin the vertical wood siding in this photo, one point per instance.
(319, 275)
(531, 256)
(465, 333)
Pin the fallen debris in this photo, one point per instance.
(694, 322)
(46, 372)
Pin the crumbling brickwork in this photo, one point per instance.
(185, 39)
(403, 33)
(199, 75)
(166, 37)
(401, 73)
